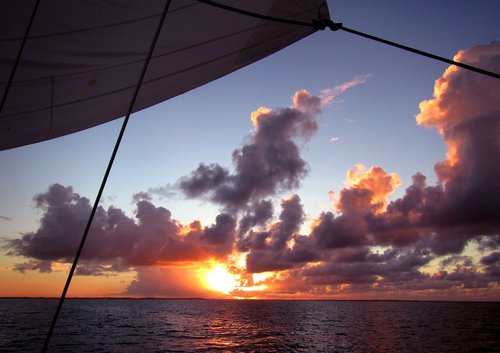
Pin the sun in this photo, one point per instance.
(220, 280)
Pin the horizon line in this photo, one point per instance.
(261, 299)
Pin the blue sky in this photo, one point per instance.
(372, 123)
(205, 125)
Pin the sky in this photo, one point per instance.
(337, 168)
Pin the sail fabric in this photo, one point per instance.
(82, 58)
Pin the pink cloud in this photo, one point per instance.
(328, 95)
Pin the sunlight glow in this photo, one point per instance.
(261, 277)
(220, 280)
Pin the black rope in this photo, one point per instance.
(423, 53)
(325, 23)
(18, 58)
(257, 15)
(106, 175)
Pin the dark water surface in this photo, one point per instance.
(149, 325)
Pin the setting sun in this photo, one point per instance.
(220, 280)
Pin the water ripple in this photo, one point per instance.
(125, 325)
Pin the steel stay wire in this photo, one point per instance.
(106, 175)
(323, 24)
(423, 53)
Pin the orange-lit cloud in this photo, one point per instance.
(376, 181)
(462, 98)
(259, 114)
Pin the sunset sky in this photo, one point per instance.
(336, 168)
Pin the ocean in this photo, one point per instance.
(157, 325)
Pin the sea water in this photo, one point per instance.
(155, 325)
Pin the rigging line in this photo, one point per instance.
(324, 23)
(106, 175)
(18, 58)
(258, 15)
(423, 53)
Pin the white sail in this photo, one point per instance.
(82, 59)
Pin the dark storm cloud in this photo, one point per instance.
(65, 214)
(268, 164)
(219, 237)
(258, 214)
(204, 178)
(152, 237)
(395, 272)
(93, 269)
(491, 265)
(263, 258)
(339, 232)
(348, 266)
(34, 265)
(271, 250)
(291, 217)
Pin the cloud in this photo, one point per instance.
(152, 237)
(167, 191)
(465, 203)
(5, 218)
(332, 232)
(392, 274)
(170, 282)
(466, 113)
(139, 196)
(268, 164)
(91, 268)
(272, 249)
(491, 265)
(391, 266)
(34, 265)
(258, 214)
(329, 95)
(367, 189)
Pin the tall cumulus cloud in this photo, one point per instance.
(269, 163)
